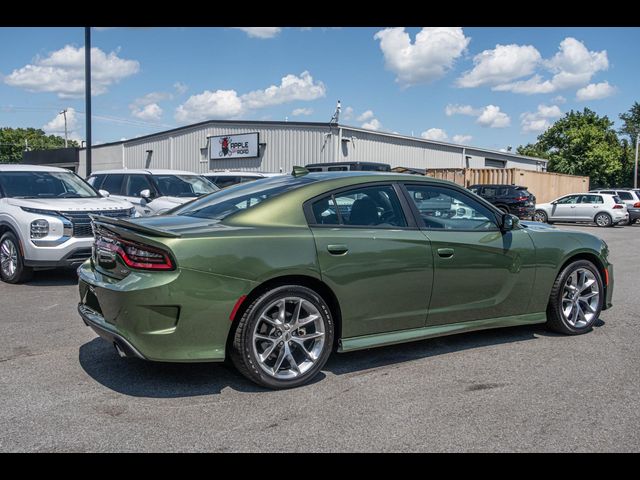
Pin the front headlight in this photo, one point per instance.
(39, 228)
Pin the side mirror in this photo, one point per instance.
(146, 194)
(104, 193)
(509, 222)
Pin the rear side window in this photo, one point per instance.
(376, 206)
(113, 184)
(625, 195)
(591, 199)
(617, 199)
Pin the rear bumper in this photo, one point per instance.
(96, 321)
(524, 213)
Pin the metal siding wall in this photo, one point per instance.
(399, 152)
(287, 146)
(102, 158)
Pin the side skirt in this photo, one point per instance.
(402, 336)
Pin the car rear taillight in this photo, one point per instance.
(636, 205)
(617, 205)
(521, 199)
(137, 255)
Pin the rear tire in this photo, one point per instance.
(12, 268)
(540, 216)
(269, 346)
(603, 220)
(576, 299)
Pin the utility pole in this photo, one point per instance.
(635, 170)
(87, 95)
(64, 113)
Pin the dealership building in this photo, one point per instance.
(269, 146)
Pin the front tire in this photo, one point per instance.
(576, 299)
(603, 220)
(284, 337)
(12, 268)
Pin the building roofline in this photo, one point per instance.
(318, 125)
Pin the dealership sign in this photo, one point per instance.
(233, 146)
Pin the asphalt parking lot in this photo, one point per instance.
(517, 389)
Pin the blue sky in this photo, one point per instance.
(491, 87)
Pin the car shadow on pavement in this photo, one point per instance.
(139, 378)
(53, 278)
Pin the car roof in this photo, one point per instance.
(496, 185)
(146, 171)
(18, 167)
(235, 173)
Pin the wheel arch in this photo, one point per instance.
(589, 256)
(9, 227)
(314, 284)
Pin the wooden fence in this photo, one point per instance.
(545, 186)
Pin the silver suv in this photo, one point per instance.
(44, 219)
(630, 197)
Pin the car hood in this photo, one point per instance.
(537, 226)
(70, 204)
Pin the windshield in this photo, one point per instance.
(183, 185)
(240, 197)
(45, 185)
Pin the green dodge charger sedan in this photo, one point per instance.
(278, 273)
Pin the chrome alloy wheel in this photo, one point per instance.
(8, 258)
(580, 298)
(539, 216)
(288, 337)
(603, 220)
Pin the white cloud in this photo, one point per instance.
(595, 91)
(227, 103)
(147, 108)
(373, 124)
(348, 113)
(462, 138)
(180, 87)
(502, 64)
(151, 112)
(435, 134)
(62, 72)
(56, 125)
(431, 55)
(365, 116)
(292, 87)
(572, 66)
(492, 117)
(452, 109)
(302, 111)
(538, 121)
(559, 99)
(260, 32)
(208, 104)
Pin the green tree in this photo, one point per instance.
(13, 141)
(631, 123)
(581, 143)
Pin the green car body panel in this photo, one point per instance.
(391, 286)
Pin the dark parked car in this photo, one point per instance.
(509, 198)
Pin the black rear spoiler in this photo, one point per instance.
(123, 223)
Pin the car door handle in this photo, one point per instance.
(337, 249)
(573, 206)
(445, 252)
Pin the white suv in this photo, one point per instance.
(152, 192)
(44, 219)
(605, 210)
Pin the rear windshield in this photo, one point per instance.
(240, 197)
(625, 195)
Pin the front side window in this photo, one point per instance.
(44, 185)
(569, 200)
(137, 183)
(376, 206)
(114, 183)
(183, 185)
(448, 209)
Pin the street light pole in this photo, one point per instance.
(87, 94)
(64, 114)
(635, 170)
